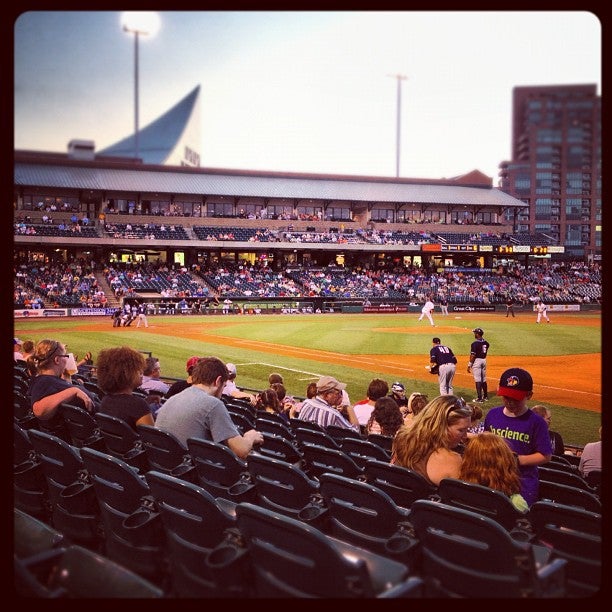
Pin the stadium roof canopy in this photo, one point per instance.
(52, 170)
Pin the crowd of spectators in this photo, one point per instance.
(74, 284)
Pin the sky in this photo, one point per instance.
(303, 91)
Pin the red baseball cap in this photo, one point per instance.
(191, 363)
(515, 383)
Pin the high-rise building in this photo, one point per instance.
(556, 165)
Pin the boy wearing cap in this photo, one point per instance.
(398, 393)
(324, 408)
(232, 390)
(477, 364)
(525, 431)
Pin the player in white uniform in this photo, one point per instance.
(542, 310)
(427, 310)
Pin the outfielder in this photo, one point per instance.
(478, 364)
(426, 311)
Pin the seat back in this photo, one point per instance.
(122, 441)
(22, 411)
(293, 559)
(385, 442)
(32, 536)
(241, 421)
(361, 451)
(339, 433)
(482, 500)
(165, 452)
(132, 526)
(272, 427)
(570, 496)
(464, 554)
(195, 523)
(30, 490)
(575, 535)
(296, 423)
(281, 486)
(402, 484)
(73, 501)
(271, 416)
(75, 572)
(572, 479)
(82, 427)
(320, 459)
(314, 436)
(363, 514)
(220, 471)
(280, 448)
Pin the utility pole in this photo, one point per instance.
(400, 78)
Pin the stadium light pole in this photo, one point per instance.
(398, 130)
(139, 23)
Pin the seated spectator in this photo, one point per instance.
(311, 391)
(151, 381)
(119, 372)
(286, 400)
(232, 390)
(49, 389)
(489, 461)
(386, 418)
(27, 349)
(416, 402)
(179, 385)
(17, 346)
(268, 401)
(198, 412)
(590, 459)
(324, 407)
(376, 389)
(398, 393)
(476, 424)
(428, 446)
(556, 440)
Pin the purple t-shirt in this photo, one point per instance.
(525, 434)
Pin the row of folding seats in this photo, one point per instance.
(365, 511)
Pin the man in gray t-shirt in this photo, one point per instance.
(197, 412)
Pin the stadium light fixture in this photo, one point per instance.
(139, 23)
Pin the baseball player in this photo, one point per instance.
(478, 364)
(444, 305)
(445, 359)
(427, 310)
(542, 310)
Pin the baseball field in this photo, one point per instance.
(564, 357)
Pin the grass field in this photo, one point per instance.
(564, 357)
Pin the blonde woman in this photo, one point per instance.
(416, 403)
(490, 462)
(427, 446)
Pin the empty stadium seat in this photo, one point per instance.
(195, 524)
(293, 559)
(464, 554)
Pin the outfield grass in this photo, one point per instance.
(353, 335)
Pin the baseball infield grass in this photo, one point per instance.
(355, 348)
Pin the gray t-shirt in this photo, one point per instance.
(193, 413)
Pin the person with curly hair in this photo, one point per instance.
(119, 372)
(490, 462)
(428, 446)
(386, 418)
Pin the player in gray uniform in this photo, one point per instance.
(444, 357)
(478, 364)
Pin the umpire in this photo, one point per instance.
(478, 364)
